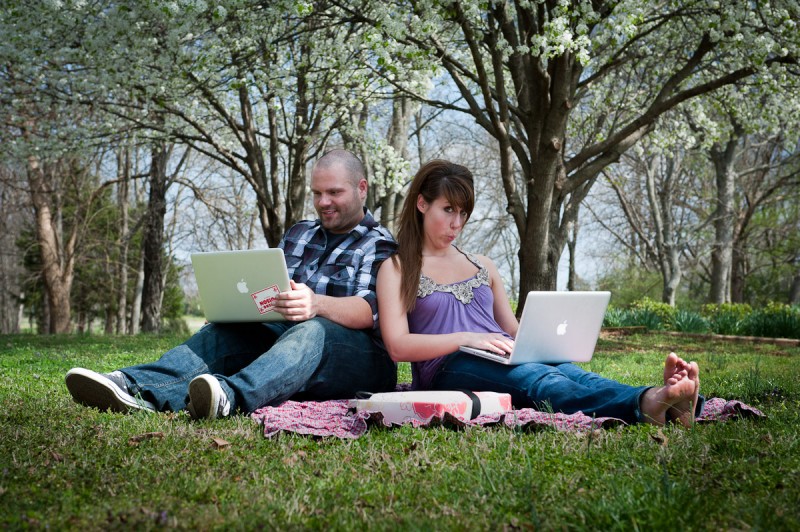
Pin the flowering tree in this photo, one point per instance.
(530, 73)
(716, 201)
(660, 223)
(749, 133)
(383, 148)
(255, 87)
(48, 139)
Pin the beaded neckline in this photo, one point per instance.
(462, 290)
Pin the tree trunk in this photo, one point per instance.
(296, 197)
(80, 326)
(273, 216)
(402, 112)
(572, 244)
(666, 247)
(259, 178)
(153, 291)
(738, 273)
(551, 208)
(124, 165)
(56, 254)
(11, 205)
(794, 292)
(671, 276)
(43, 316)
(134, 326)
(299, 145)
(20, 312)
(724, 221)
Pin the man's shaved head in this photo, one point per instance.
(351, 163)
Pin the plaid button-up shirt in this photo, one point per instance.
(351, 269)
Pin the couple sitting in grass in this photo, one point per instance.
(330, 345)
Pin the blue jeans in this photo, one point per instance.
(565, 388)
(261, 364)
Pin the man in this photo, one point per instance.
(328, 347)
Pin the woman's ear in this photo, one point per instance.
(422, 205)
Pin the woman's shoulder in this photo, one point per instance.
(477, 259)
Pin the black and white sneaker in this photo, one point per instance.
(104, 391)
(207, 399)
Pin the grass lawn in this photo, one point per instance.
(63, 466)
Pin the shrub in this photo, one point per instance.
(726, 318)
(630, 284)
(664, 311)
(633, 317)
(615, 317)
(175, 326)
(645, 317)
(776, 320)
(691, 322)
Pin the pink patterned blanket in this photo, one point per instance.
(334, 418)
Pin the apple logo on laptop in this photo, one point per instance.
(561, 330)
(241, 286)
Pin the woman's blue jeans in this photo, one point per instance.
(261, 364)
(563, 388)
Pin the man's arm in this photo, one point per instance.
(301, 303)
(357, 306)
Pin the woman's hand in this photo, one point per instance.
(494, 342)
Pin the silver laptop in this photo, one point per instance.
(240, 286)
(555, 327)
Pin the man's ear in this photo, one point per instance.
(362, 189)
(422, 205)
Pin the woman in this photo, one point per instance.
(434, 297)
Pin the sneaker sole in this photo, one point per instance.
(92, 389)
(203, 398)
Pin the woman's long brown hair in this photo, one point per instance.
(434, 179)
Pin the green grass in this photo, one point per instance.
(63, 466)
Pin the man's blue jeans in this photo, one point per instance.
(261, 364)
(564, 388)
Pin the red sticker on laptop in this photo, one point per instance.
(265, 299)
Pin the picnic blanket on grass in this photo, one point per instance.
(336, 418)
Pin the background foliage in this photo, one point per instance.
(646, 147)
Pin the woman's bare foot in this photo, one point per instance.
(678, 389)
(675, 368)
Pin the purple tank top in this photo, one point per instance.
(440, 309)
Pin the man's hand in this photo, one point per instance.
(299, 303)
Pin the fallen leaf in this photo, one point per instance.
(660, 438)
(136, 440)
(219, 443)
(294, 458)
